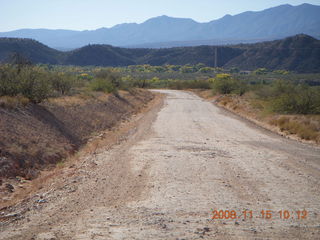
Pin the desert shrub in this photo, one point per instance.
(62, 83)
(188, 84)
(106, 81)
(225, 84)
(176, 84)
(9, 82)
(141, 83)
(28, 81)
(199, 84)
(285, 97)
(102, 85)
(263, 91)
(305, 130)
(110, 77)
(308, 133)
(300, 99)
(241, 88)
(34, 84)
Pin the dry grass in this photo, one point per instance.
(306, 127)
(13, 102)
(68, 101)
(226, 100)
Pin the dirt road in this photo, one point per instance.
(181, 162)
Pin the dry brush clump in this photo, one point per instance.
(306, 127)
(33, 82)
(13, 102)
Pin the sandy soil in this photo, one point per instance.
(178, 164)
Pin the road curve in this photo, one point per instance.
(193, 159)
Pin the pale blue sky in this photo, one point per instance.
(93, 14)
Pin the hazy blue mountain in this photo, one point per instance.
(164, 31)
(281, 21)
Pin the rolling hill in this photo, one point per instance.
(248, 27)
(300, 53)
(35, 51)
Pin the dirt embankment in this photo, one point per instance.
(37, 136)
(305, 128)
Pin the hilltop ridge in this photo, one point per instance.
(300, 53)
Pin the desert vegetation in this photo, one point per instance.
(36, 83)
(291, 102)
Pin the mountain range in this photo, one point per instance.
(300, 53)
(248, 27)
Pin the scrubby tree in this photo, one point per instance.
(223, 83)
(106, 81)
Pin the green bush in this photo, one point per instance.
(188, 84)
(9, 82)
(107, 81)
(225, 84)
(62, 83)
(102, 85)
(299, 99)
(28, 81)
(34, 85)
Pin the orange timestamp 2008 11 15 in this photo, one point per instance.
(263, 214)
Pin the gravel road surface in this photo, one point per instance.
(184, 163)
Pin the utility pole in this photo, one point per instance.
(216, 57)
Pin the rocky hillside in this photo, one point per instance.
(300, 53)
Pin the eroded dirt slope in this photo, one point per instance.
(39, 135)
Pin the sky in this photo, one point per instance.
(93, 14)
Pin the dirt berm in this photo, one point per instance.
(34, 137)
